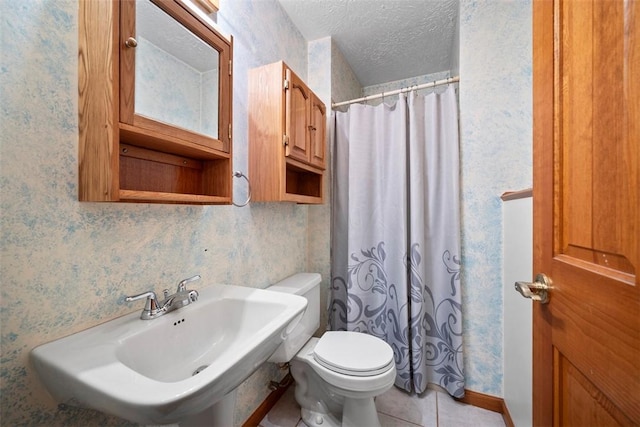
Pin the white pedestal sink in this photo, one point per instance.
(173, 368)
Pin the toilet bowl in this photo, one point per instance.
(338, 375)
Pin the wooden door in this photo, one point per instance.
(317, 132)
(586, 212)
(297, 118)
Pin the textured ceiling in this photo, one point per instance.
(383, 40)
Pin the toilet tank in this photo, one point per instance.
(308, 286)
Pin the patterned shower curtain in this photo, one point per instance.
(396, 234)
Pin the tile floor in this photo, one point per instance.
(398, 409)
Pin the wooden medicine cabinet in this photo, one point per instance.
(287, 133)
(154, 104)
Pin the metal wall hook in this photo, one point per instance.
(240, 174)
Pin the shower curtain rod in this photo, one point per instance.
(395, 92)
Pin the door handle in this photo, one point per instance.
(538, 290)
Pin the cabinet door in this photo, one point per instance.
(165, 92)
(297, 120)
(317, 132)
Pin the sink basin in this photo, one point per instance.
(171, 368)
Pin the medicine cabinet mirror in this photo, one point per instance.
(176, 72)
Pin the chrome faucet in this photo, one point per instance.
(153, 308)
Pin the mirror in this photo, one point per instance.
(176, 73)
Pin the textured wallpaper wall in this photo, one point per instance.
(496, 156)
(402, 84)
(344, 83)
(66, 265)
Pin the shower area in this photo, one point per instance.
(395, 218)
(493, 108)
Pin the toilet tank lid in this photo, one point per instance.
(297, 284)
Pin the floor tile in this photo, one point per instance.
(456, 414)
(389, 421)
(285, 413)
(420, 410)
(397, 408)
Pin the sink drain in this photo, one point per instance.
(200, 369)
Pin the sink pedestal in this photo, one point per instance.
(218, 415)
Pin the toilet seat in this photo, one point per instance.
(353, 353)
(348, 384)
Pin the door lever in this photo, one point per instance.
(538, 290)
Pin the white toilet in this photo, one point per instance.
(338, 375)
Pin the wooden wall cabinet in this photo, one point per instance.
(287, 137)
(125, 156)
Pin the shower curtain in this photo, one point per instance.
(396, 234)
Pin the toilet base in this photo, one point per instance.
(317, 419)
(355, 413)
(359, 412)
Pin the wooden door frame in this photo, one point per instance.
(544, 108)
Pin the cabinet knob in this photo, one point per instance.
(131, 42)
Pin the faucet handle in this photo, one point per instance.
(151, 305)
(182, 283)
